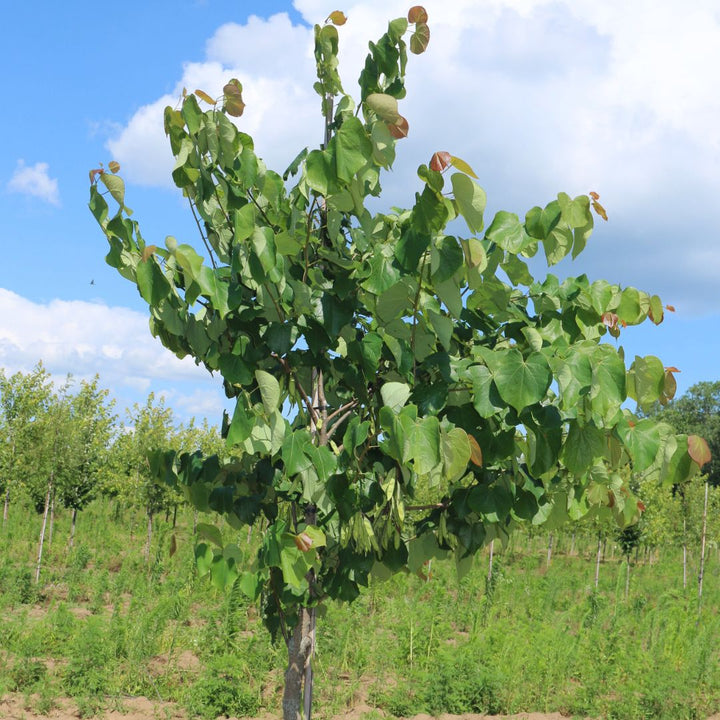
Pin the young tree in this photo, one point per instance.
(402, 393)
(92, 427)
(24, 399)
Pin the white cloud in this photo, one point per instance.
(537, 95)
(34, 180)
(83, 339)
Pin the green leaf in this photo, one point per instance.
(203, 558)
(422, 444)
(583, 445)
(152, 283)
(384, 106)
(395, 395)
(294, 456)
(455, 452)
(507, 232)
(446, 259)
(471, 200)
(263, 243)
(646, 380)
(269, 390)
(353, 148)
(210, 532)
(642, 440)
(241, 425)
(521, 382)
(320, 172)
(116, 188)
(486, 399)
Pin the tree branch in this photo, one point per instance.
(308, 402)
(208, 247)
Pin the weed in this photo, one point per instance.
(223, 689)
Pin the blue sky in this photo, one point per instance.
(537, 96)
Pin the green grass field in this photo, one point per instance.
(103, 626)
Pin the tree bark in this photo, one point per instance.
(597, 560)
(42, 530)
(702, 545)
(549, 551)
(299, 668)
(52, 517)
(627, 578)
(72, 527)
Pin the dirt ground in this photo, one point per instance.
(15, 707)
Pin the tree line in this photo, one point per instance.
(63, 444)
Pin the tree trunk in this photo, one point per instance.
(572, 544)
(42, 531)
(174, 516)
(52, 517)
(72, 527)
(299, 669)
(149, 535)
(702, 545)
(627, 578)
(597, 559)
(7, 503)
(549, 551)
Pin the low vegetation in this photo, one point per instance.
(105, 626)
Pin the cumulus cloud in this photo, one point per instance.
(34, 180)
(538, 95)
(84, 339)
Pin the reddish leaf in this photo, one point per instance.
(113, 166)
(476, 456)
(95, 173)
(234, 104)
(672, 369)
(631, 423)
(399, 129)
(148, 252)
(641, 506)
(594, 195)
(304, 542)
(420, 39)
(440, 161)
(204, 96)
(337, 17)
(670, 308)
(610, 319)
(670, 386)
(599, 209)
(698, 450)
(417, 14)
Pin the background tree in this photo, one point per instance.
(24, 400)
(92, 425)
(401, 393)
(149, 426)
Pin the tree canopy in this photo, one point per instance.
(404, 387)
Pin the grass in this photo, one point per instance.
(103, 626)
